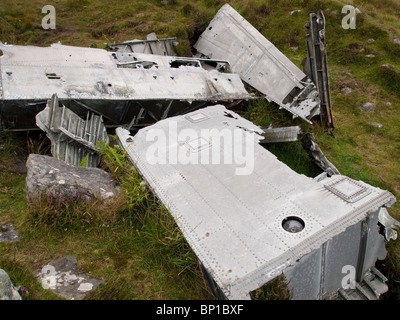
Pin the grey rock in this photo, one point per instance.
(8, 233)
(7, 290)
(65, 279)
(370, 55)
(370, 40)
(52, 176)
(389, 67)
(376, 124)
(368, 107)
(346, 90)
(396, 41)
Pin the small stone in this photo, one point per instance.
(370, 40)
(294, 48)
(370, 55)
(388, 103)
(346, 90)
(368, 106)
(389, 67)
(376, 124)
(396, 41)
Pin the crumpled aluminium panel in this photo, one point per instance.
(234, 223)
(73, 139)
(152, 45)
(315, 65)
(117, 85)
(259, 63)
(283, 134)
(30, 72)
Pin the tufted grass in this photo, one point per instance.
(141, 257)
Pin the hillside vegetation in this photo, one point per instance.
(143, 255)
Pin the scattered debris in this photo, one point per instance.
(316, 66)
(283, 134)
(124, 88)
(50, 176)
(315, 153)
(163, 47)
(259, 63)
(372, 286)
(390, 225)
(73, 139)
(7, 289)
(64, 278)
(8, 233)
(368, 107)
(271, 219)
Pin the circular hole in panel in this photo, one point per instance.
(293, 224)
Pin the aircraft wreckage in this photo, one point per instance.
(249, 218)
(122, 87)
(143, 81)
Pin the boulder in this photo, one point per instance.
(51, 176)
(65, 279)
(7, 290)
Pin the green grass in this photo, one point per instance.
(133, 242)
(142, 258)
